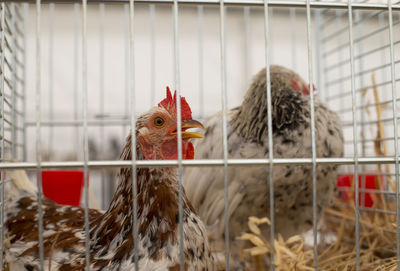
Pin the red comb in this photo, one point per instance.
(169, 103)
(305, 89)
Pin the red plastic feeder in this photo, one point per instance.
(63, 186)
(347, 180)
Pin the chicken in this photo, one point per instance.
(111, 232)
(248, 187)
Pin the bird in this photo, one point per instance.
(248, 186)
(111, 237)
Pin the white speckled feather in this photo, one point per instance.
(248, 186)
(111, 232)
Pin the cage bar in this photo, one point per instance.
(318, 49)
(14, 80)
(224, 128)
(24, 101)
(267, 36)
(200, 14)
(395, 130)
(38, 136)
(101, 100)
(293, 20)
(177, 86)
(2, 25)
(51, 78)
(382, 47)
(75, 76)
(271, 3)
(85, 133)
(152, 18)
(313, 147)
(201, 162)
(126, 65)
(131, 70)
(246, 36)
(358, 17)
(355, 132)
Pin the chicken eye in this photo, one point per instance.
(159, 122)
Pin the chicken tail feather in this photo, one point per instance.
(18, 183)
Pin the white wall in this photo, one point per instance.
(115, 83)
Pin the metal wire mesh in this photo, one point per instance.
(375, 92)
(12, 82)
(368, 75)
(341, 60)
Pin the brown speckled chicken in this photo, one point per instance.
(248, 138)
(111, 237)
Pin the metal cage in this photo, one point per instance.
(351, 50)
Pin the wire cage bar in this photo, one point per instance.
(270, 139)
(2, 127)
(38, 134)
(271, 3)
(340, 50)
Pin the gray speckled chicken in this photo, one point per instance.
(248, 138)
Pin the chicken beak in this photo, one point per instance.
(189, 124)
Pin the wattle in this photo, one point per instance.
(189, 151)
(169, 150)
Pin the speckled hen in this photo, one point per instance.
(111, 237)
(248, 138)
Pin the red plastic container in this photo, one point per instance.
(63, 186)
(346, 181)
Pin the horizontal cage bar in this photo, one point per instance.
(202, 162)
(272, 3)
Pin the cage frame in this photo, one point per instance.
(86, 164)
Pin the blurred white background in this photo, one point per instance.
(116, 96)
